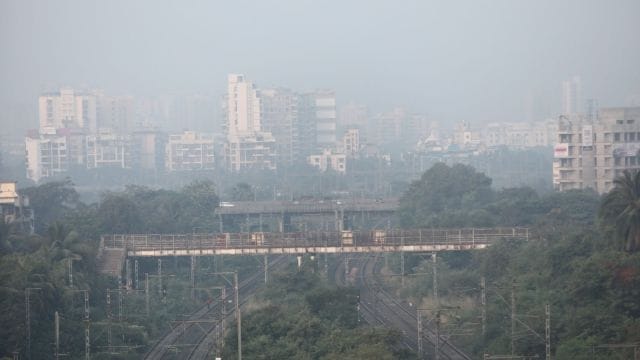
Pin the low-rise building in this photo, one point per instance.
(329, 160)
(14, 208)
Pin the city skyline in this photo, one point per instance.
(506, 62)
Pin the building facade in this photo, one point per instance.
(190, 151)
(592, 154)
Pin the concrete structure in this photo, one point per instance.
(189, 151)
(591, 154)
(351, 142)
(329, 160)
(325, 119)
(251, 151)
(46, 156)
(243, 106)
(67, 109)
(520, 135)
(109, 149)
(572, 96)
(14, 208)
(280, 118)
(116, 113)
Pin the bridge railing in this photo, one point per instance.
(389, 237)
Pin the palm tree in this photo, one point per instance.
(621, 208)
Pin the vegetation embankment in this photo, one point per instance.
(581, 259)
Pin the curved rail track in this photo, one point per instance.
(379, 307)
(200, 325)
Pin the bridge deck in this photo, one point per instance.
(418, 240)
(308, 207)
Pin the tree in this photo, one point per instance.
(621, 208)
(242, 192)
(51, 201)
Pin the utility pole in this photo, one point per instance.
(57, 334)
(146, 292)
(266, 268)
(193, 277)
(27, 295)
(160, 276)
(483, 299)
(435, 279)
(70, 272)
(436, 343)
(238, 315)
(547, 332)
(109, 347)
(87, 336)
(513, 318)
(420, 353)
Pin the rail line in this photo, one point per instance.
(385, 309)
(204, 343)
(245, 288)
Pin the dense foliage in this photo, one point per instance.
(572, 261)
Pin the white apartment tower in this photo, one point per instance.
(243, 106)
(247, 145)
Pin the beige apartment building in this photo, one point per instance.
(590, 154)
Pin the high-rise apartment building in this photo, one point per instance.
(279, 116)
(591, 154)
(243, 106)
(67, 109)
(325, 119)
(248, 145)
(572, 96)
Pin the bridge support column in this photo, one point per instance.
(129, 279)
(326, 266)
(266, 268)
(402, 268)
(160, 276)
(192, 277)
(136, 281)
(299, 257)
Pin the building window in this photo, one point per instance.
(616, 137)
(619, 122)
(630, 121)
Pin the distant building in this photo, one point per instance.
(572, 96)
(591, 154)
(351, 142)
(329, 160)
(109, 149)
(520, 135)
(248, 145)
(46, 155)
(325, 119)
(279, 116)
(189, 151)
(251, 151)
(14, 207)
(67, 109)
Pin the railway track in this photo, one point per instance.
(379, 307)
(201, 325)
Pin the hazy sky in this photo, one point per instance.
(456, 60)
